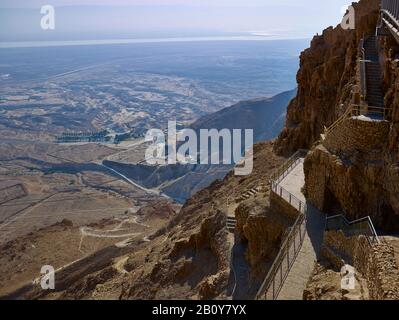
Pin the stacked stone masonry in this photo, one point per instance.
(376, 263)
(354, 134)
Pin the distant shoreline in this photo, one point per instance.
(40, 44)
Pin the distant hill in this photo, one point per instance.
(266, 116)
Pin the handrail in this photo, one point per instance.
(355, 110)
(382, 111)
(363, 78)
(270, 283)
(234, 272)
(291, 246)
(289, 197)
(346, 114)
(362, 50)
(287, 166)
(362, 68)
(339, 222)
(390, 8)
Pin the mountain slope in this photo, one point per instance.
(265, 116)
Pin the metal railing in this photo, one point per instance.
(363, 226)
(362, 61)
(355, 110)
(391, 7)
(287, 167)
(363, 78)
(282, 264)
(284, 261)
(289, 197)
(390, 16)
(347, 114)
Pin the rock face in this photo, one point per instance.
(325, 79)
(390, 56)
(262, 229)
(190, 257)
(377, 273)
(357, 184)
(354, 168)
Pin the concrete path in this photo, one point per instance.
(303, 266)
(295, 181)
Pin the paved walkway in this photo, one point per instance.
(303, 266)
(295, 181)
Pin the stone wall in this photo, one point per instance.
(278, 204)
(376, 263)
(354, 183)
(355, 134)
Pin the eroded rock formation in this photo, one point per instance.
(325, 79)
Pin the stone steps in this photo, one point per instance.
(250, 193)
(375, 96)
(231, 224)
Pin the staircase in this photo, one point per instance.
(375, 96)
(250, 193)
(231, 224)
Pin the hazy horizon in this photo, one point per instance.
(122, 19)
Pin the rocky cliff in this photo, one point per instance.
(355, 169)
(194, 256)
(191, 257)
(325, 79)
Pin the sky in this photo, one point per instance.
(102, 19)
